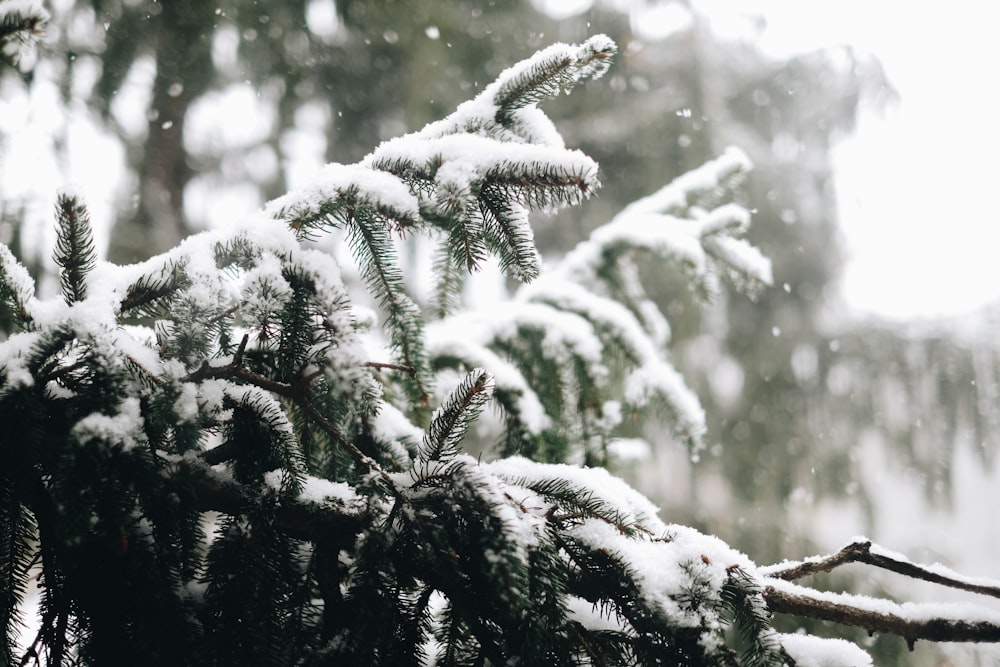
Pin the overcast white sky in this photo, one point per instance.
(917, 185)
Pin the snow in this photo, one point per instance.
(627, 450)
(810, 651)
(378, 189)
(318, 491)
(662, 379)
(678, 238)
(264, 292)
(186, 405)
(592, 617)
(606, 313)
(16, 276)
(916, 612)
(729, 218)
(479, 114)
(444, 339)
(469, 157)
(123, 429)
(211, 394)
(391, 424)
(12, 357)
(739, 255)
(677, 195)
(652, 376)
(20, 9)
(934, 568)
(505, 322)
(135, 344)
(635, 508)
(666, 570)
(880, 551)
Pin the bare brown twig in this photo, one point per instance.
(860, 551)
(910, 628)
(804, 602)
(297, 392)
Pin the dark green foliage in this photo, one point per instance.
(20, 25)
(75, 253)
(16, 289)
(743, 601)
(17, 529)
(451, 421)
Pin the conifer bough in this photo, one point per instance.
(202, 462)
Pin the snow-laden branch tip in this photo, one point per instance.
(22, 23)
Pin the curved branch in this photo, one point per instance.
(782, 599)
(863, 551)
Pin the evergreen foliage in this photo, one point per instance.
(204, 461)
(21, 23)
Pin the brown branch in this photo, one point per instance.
(860, 551)
(298, 392)
(349, 447)
(911, 629)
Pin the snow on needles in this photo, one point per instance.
(23, 21)
(377, 189)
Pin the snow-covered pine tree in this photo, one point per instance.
(222, 456)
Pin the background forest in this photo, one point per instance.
(832, 425)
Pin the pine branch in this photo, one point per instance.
(509, 236)
(704, 187)
(147, 294)
(18, 534)
(453, 418)
(342, 194)
(376, 257)
(544, 185)
(743, 597)
(212, 492)
(466, 244)
(17, 289)
(75, 253)
(863, 551)
(549, 73)
(882, 616)
(448, 286)
(21, 23)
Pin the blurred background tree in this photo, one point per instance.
(244, 98)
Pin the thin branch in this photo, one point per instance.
(297, 392)
(861, 551)
(911, 628)
(349, 447)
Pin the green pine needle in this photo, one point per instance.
(551, 74)
(453, 418)
(75, 253)
(16, 290)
